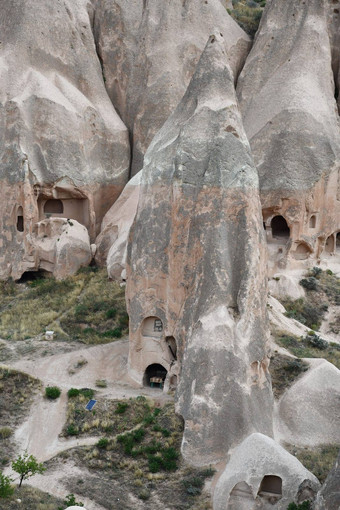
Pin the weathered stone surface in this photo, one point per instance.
(308, 414)
(196, 264)
(60, 137)
(283, 286)
(328, 498)
(247, 482)
(149, 51)
(112, 241)
(63, 246)
(286, 94)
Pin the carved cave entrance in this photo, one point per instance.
(280, 229)
(20, 219)
(155, 375)
(337, 244)
(53, 206)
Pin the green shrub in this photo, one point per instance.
(304, 506)
(316, 342)
(113, 333)
(52, 392)
(6, 488)
(310, 283)
(73, 392)
(144, 495)
(111, 314)
(72, 430)
(121, 407)
(70, 500)
(102, 443)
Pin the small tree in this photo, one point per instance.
(27, 466)
(5, 486)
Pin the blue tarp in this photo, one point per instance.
(90, 404)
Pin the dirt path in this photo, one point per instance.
(39, 434)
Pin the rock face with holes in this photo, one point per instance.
(112, 241)
(286, 94)
(149, 51)
(261, 474)
(308, 414)
(60, 137)
(196, 284)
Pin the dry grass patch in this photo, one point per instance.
(17, 391)
(319, 459)
(284, 372)
(85, 307)
(31, 499)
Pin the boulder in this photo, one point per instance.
(62, 246)
(260, 474)
(111, 244)
(286, 94)
(196, 272)
(64, 150)
(328, 498)
(149, 51)
(283, 286)
(308, 413)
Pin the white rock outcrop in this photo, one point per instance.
(149, 51)
(260, 474)
(308, 413)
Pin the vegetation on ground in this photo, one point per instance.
(26, 466)
(52, 392)
(310, 346)
(322, 290)
(143, 461)
(284, 372)
(6, 488)
(86, 307)
(247, 13)
(17, 392)
(304, 506)
(29, 498)
(319, 459)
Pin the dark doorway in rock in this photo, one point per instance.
(171, 343)
(279, 227)
(271, 484)
(241, 497)
(329, 246)
(30, 276)
(155, 375)
(337, 244)
(20, 219)
(53, 206)
(312, 221)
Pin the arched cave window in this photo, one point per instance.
(152, 326)
(312, 221)
(279, 227)
(271, 484)
(241, 497)
(329, 246)
(154, 375)
(53, 206)
(302, 252)
(20, 219)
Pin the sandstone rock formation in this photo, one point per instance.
(328, 498)
(63, 246)
(286, 93)
(149, 51)
(196, 285)
(63, 149)
(308, 413)
(261, 474)
(112, 241)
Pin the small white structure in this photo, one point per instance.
(49, 336)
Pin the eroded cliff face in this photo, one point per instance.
(149, 51)
(286, 93)
(196, 284)
(63, 149)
